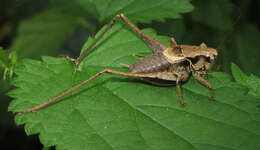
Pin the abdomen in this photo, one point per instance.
(153, 63)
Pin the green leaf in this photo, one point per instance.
(113, 112)
(252, 81)
(43, 34)
(136, 10)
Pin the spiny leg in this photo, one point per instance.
(180, 92)
(154, 44)
(157, 83)
(55, 99)
(205, 83)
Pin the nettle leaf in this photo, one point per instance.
(43, 34)
(113, 112)
(136, 10)
(252, 81)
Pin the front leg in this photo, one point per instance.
(205, 83)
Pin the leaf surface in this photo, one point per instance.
(113, 112)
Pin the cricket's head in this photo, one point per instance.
(189, 51)
(202, 57)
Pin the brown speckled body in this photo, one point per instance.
(157, 66)
(153, 63)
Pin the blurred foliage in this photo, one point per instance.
(8, 62)
(43, 34)
(52, 27)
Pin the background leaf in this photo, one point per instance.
(246, 44)
(44, 34)
(115, 112)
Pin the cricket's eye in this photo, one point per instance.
(195, 60)
(212, 59)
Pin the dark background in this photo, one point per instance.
(231, 25)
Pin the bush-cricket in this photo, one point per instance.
(172, 63)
